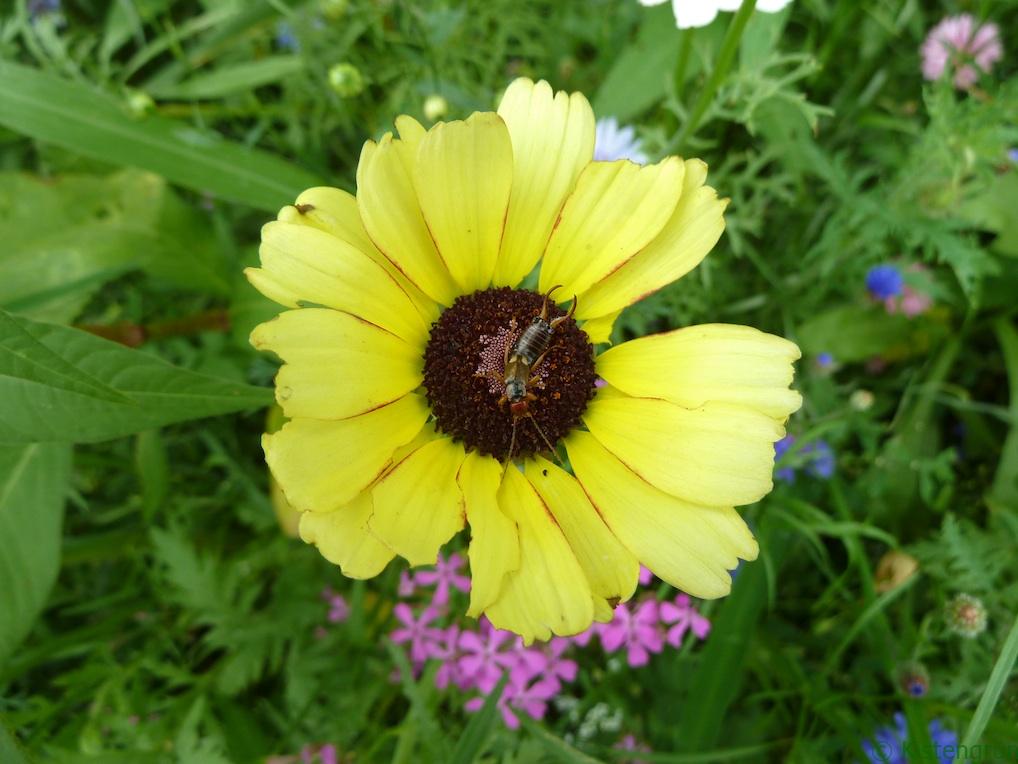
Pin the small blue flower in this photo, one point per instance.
(286, 38)
(825, 360)
(785, 474)
(884, 281)
(39, 8)
(613, 142)
(888, 744)
(1012, 154)
(820, 459)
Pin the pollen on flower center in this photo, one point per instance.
(464, 371)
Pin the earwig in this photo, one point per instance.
(522, 361)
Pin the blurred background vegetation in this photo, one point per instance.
(150, 607)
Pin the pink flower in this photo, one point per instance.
(531, 699)
(445, 574)
(556, 666)
(482, 660)
(445, 650)
(630, 743)
(583, 638)
(424, 640)
(683, 616)
(527, 662)
(638, 631)
(645, 576)
(406, 585)
(339, 610)
(963, 44)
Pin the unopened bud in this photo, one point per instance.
(861, 400)
(966, 616)
(346, 79)
(894, 569)
(435, 107)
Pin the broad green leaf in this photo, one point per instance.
(230, 79)
(1004, 491)
(856, 333)
(640, 76)
(72, 115)
(65, 385)
(33, 480)
(66, 236)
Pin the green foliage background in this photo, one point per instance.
(150, 609)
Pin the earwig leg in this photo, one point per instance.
(535, 364)
(544, 307)
(509, 345)
(547, 442)
(512, 445)
(556, 321)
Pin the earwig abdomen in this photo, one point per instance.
(534, 341)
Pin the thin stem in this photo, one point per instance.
(134, 335)
(728, 49)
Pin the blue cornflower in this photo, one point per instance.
(889, 744)
(884, 281)
(286, 38)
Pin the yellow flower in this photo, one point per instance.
(406, 304)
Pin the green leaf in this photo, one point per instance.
(66, 236)
(33, 480)
(715, 683)
(640, 76)
(855, 333)
(72, 115)
(227, 80)
(65, 385)
(472, 741)
(994, 687)
(1004, 491)
(555, 746)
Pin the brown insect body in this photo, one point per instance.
(522, 361)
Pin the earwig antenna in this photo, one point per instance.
(512, 445)
(546, 441)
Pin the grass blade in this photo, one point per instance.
(48, 108)
(998, 678)
(471, 742)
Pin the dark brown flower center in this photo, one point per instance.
(465, 374)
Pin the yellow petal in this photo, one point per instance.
(553, 140)
(616, 209)
(600, 329)
(720, 454)
(418, 505)
(691, 547)
(343, 538)
(337, 365)
(323, 464)
(335, 211)
(610, 568)
(712, 362)
(691, 232)
(494, 541)
(464, 173)
(392, 217)
(549, 594)
(304, 264)
(287, 517)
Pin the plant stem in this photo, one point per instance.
(728, 48)
(134, 335)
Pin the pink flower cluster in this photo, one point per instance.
(965, 45)
(476, 659)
